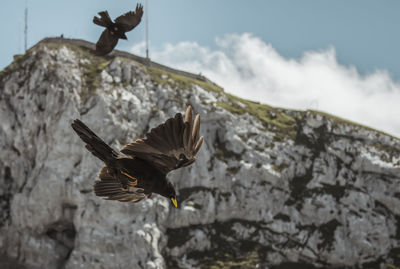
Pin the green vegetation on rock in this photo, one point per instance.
(18, 59)
(92, 71)
(91, 65)
(337, 121)
(247, 261)
(272, 118)
(163, 77)
(282, 122)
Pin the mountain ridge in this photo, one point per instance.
(83, 44)
(271, 187)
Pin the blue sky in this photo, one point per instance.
(338, 56)
(364, 33)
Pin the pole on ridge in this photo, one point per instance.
(26, 26)
(147, 30)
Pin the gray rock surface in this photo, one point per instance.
(272, 188)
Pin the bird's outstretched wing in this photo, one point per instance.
(130, 19)
(110, 188)
(104, 19)
(106, 43)
(171, 145)
(94, 143)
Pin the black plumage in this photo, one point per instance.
(115, 30)
(141, 167)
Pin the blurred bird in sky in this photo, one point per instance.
(143, 167)
(115, 30)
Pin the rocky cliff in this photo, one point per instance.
(272, 188)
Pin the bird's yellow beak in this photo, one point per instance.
(174, 202)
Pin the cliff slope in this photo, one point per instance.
(272, 188)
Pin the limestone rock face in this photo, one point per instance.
(271, 188)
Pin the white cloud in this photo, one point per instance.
(248, 67)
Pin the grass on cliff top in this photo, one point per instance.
(276, 119)
(270, 117)
(92, 66)
(18, 59)
(282, 123)
(182, 82)
(338, 120)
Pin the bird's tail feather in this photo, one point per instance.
(94, 143)
(107, 188)
(110, 189)
(104, 19)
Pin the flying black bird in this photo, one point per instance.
(143, 167)
(115, 30)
